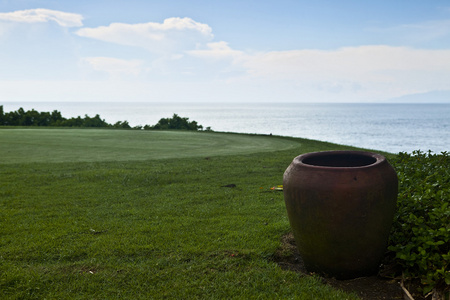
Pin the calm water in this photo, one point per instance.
(386, 127)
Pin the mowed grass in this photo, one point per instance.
(147, 227)
(93, 145)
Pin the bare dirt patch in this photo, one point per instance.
(367, 288)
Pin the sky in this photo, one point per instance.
(224, 51)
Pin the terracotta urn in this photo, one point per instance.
(340, 206)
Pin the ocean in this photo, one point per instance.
(383, 127)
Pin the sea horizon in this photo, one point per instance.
(390, 127)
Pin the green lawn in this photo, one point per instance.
(76, 145)
(113, 214)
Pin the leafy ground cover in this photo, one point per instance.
(420, 239)
(203, 226)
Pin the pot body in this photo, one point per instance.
(341, 206)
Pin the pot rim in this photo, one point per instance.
(378, 159)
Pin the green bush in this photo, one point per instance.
(35, 118)
(420, 236)
(176, 122)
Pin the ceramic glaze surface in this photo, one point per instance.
(340, 206)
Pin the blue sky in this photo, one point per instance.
(224, 51)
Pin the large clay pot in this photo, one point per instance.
(340, 206)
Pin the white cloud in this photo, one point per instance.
(188, 60)
(217, 50)
(40, 15)
(349, 62)
(114, 66)
(174, 34)
(375, 71)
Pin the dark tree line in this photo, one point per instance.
(55, 119)
(176, 122)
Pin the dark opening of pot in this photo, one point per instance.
(340, 160)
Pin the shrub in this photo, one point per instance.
(176, 122)
(420, 236)
(35, 118)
